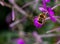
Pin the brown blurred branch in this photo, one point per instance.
(49, 35)
(19, 9)
(27, 4)
(5, 4)
(55, 6)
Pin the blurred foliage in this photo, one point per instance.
(28, 26)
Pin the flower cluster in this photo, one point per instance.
(48, 9)
(45, 9)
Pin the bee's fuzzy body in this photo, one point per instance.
(41, 18)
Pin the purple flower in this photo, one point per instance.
(44, 4)
(48, 9)
(36, 23)
(20, 41)
(51, 14)
(47, 1)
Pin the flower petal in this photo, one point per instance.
(51, 14)
(42, 9)
(47, 1)
(44, 4)
(36, 23)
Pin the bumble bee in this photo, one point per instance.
(41, 18)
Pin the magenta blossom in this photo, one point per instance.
(42, 9)
(20, 41)
(36, 23)
(51, 14)
(47, 1)
(44, 4)
(47, 9)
